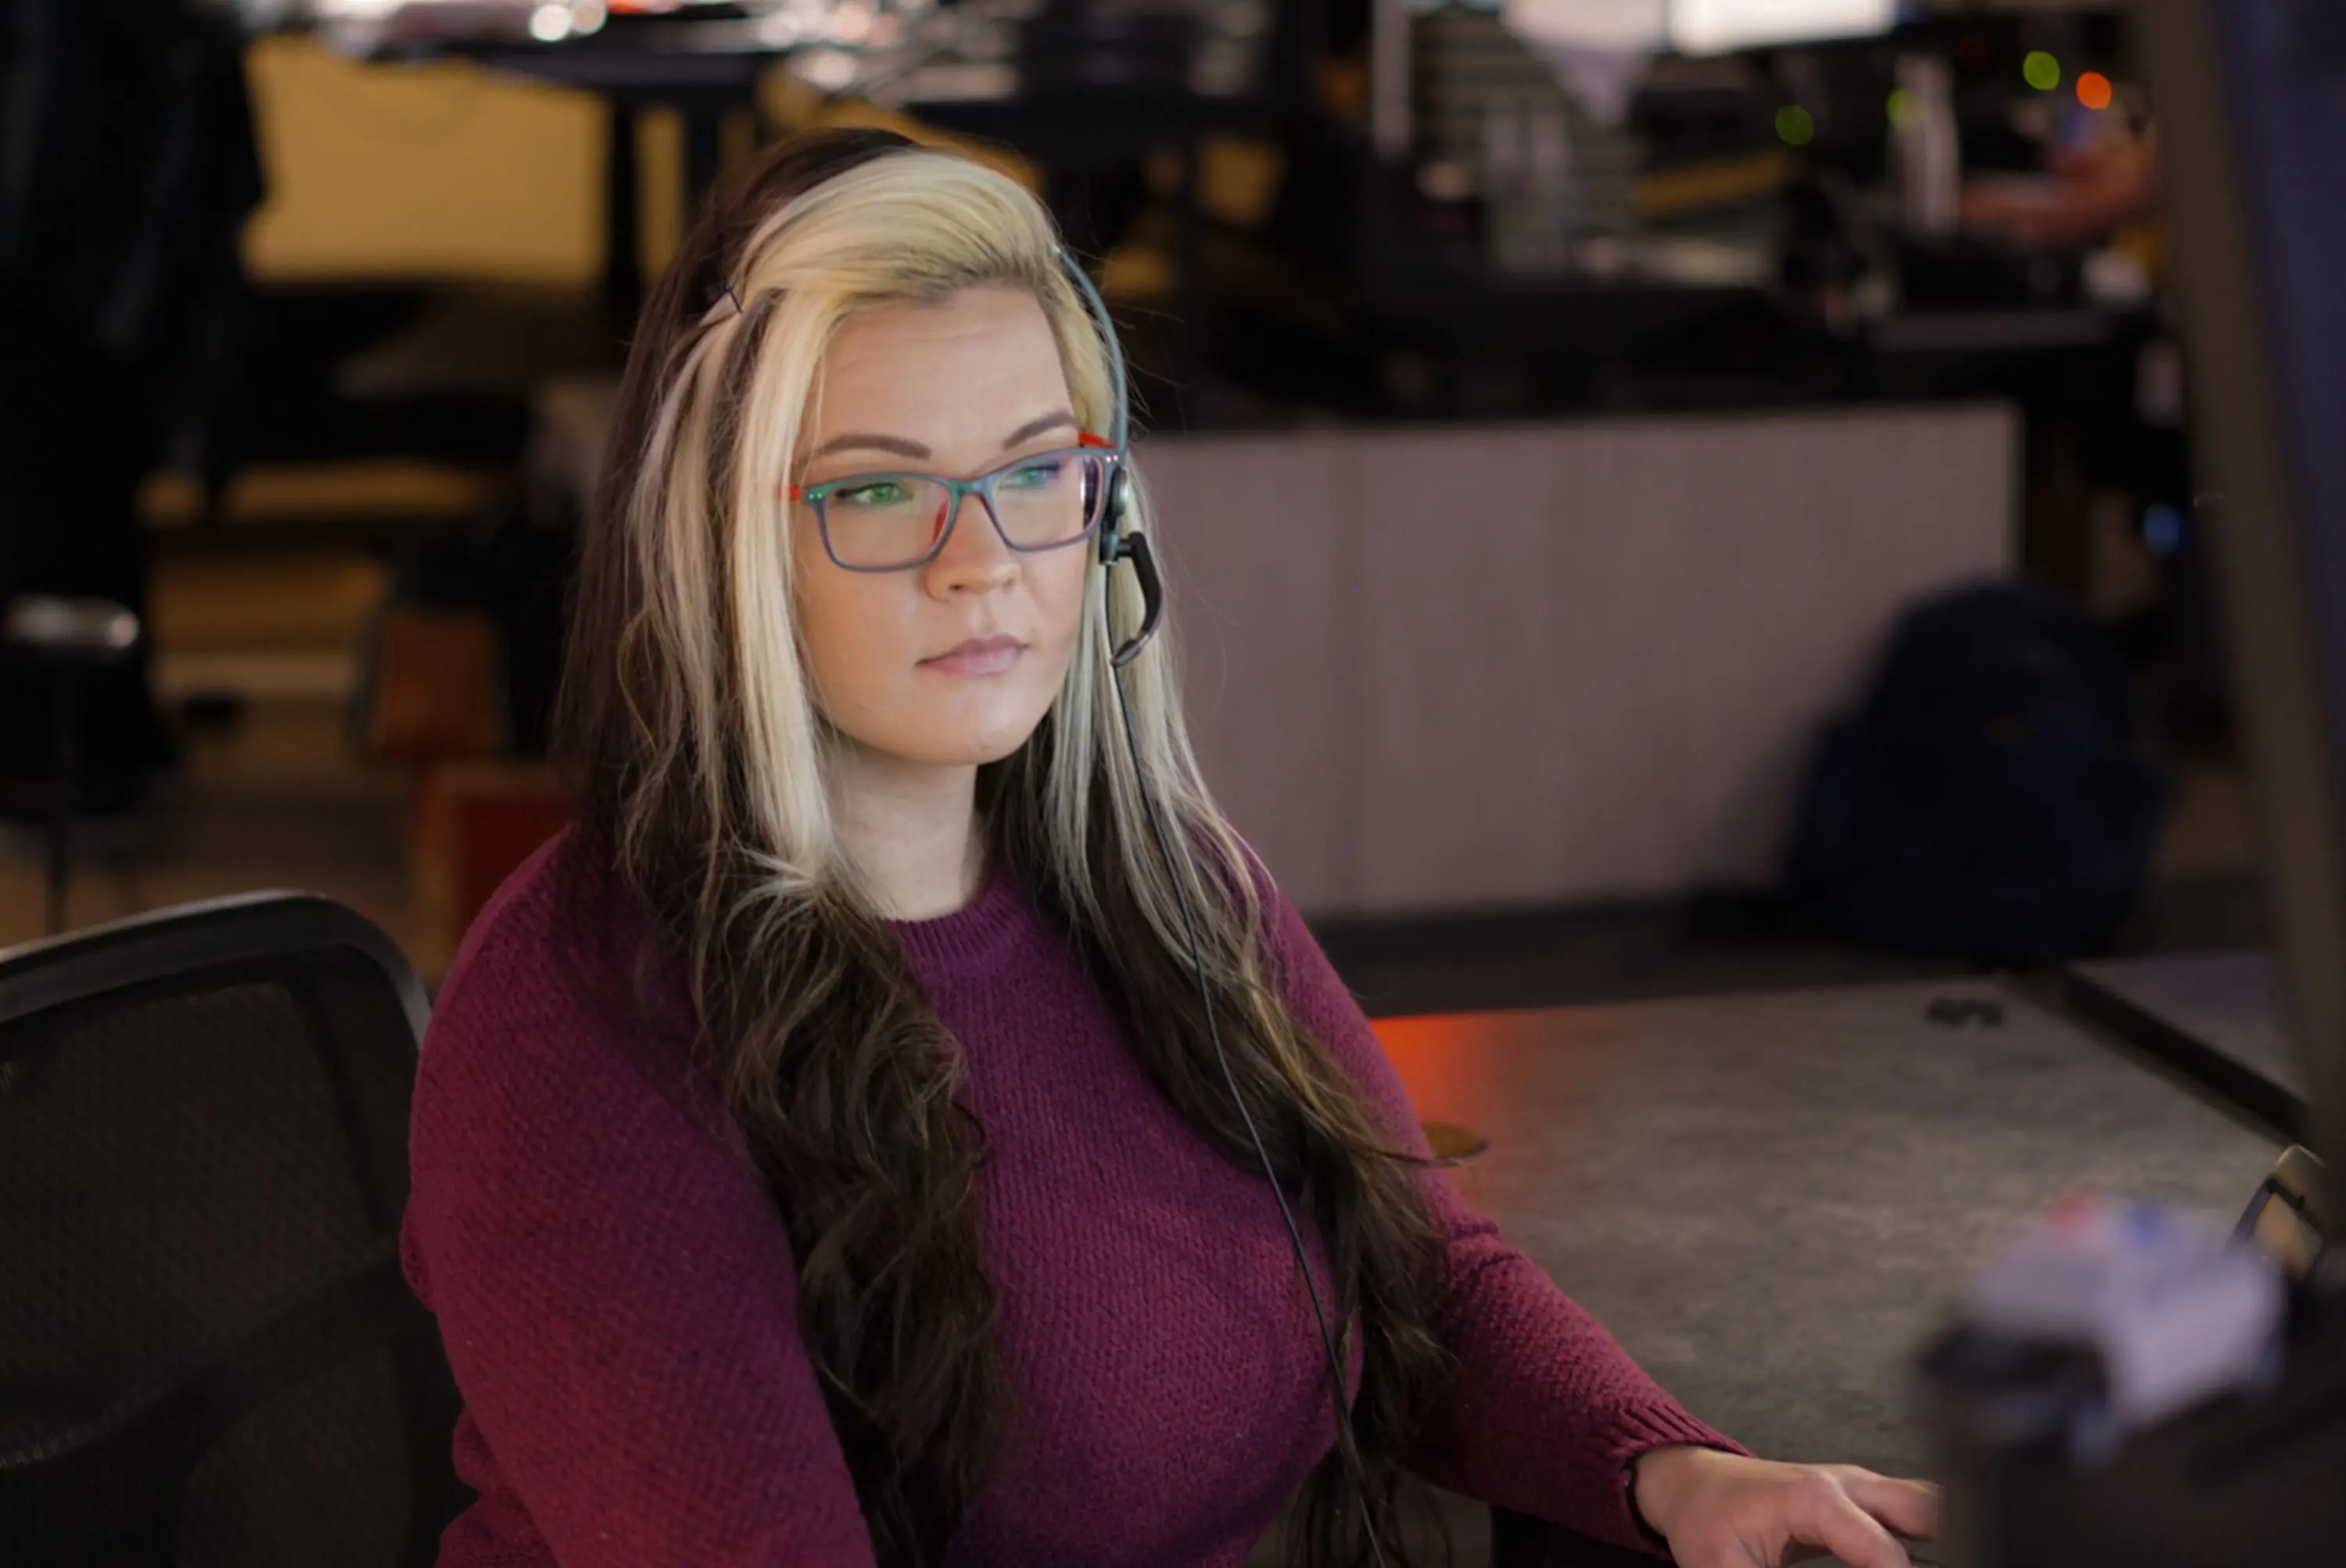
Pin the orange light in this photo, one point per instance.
(2094, 90)
(1445, 1062)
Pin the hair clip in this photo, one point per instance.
(725, 296)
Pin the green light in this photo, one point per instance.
(1795, 124)
(2043, 71)
(1901, 106)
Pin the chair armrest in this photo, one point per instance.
(1520, 1540)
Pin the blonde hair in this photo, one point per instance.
(911, 224)
(692, 738)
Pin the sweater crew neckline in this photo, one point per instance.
(970, 935)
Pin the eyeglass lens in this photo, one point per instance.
(895, 519)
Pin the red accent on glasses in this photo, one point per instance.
(1085, 438)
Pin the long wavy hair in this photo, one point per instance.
(689, 737)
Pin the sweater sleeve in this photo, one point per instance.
(1545, 1412)
(616, 1299)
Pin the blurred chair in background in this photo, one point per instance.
(72, 640)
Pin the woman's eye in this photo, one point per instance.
(876, 493)
(1035, 475)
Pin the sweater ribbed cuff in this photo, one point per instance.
(1639, 1431)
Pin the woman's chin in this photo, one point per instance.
(968, 746)
(994, 748)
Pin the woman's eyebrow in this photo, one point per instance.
(1034, 427)
(904, 448)
(895, 443)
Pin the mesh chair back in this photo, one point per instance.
(206, 1354)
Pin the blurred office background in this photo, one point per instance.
(1554, 410)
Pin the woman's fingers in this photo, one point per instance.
(1852, 1533)
(1742, 1513)
(1909, 1507)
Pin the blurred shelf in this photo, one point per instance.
(315, 498)
(280, 675)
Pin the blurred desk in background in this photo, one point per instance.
(1772, 1201)
(434, 172)
(703, 86)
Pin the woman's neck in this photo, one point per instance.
(911, 830)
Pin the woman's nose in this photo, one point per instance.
(974, 559)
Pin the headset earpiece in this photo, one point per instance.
(1111, 522)
(1133, 548)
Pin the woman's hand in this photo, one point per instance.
(1723, 1511)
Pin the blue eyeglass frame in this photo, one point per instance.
(1108, 453)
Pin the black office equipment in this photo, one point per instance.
(2252, 98)
(2252, 144)
(207, 1355)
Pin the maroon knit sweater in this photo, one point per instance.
(617, 1293)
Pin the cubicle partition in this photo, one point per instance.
(1447, 667)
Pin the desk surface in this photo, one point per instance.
(1771, 1200)
(2215, 1015)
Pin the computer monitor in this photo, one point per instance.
(2251, 99)
(1714, 26)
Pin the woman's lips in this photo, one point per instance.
(979, 656)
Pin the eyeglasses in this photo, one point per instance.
(892, 522)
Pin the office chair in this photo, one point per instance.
(1520, 1540)
(207, 1355)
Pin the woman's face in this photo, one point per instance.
(957, 387)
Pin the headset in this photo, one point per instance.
(1116, 543)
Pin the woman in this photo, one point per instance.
(820, 1151)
